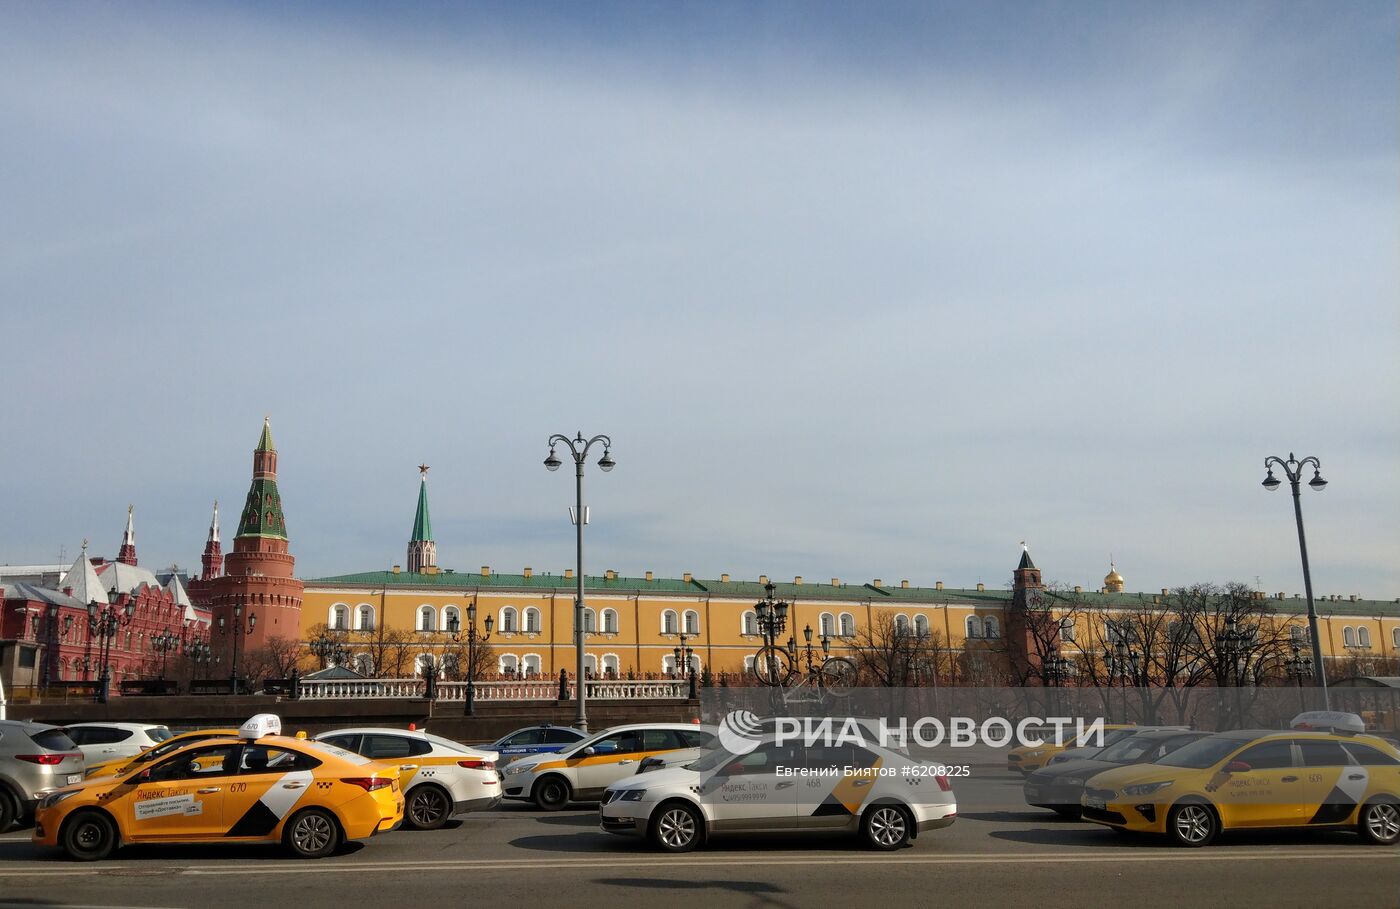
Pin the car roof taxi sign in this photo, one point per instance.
(1329, 721)
(260, 725)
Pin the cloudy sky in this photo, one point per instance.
(859, 290)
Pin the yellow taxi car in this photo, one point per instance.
(1322, 773)
(1029, 758)
(257, 787)
(169, 746)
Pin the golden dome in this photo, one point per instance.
(1113, 581)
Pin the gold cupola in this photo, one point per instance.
(1113, 581)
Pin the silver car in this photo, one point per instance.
(35, 760)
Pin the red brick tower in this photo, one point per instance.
(258, 580)
(127, 553)
(1028, 620)
(213, 560)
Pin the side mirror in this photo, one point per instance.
(1237, 767)
(590, 751)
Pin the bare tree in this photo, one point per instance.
(891, 654)
(275, 658)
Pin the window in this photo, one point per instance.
(590, 620)
(694, 738)
(1367, 756)
(1322, 753)
(974, 627)
(848, 625)
(668, 622)
(921, 625)
(1067, 630)
(427, 618)
(1348, 636)
(265, 759)
(202, 762)
(451, 619)
(365, 617)
(528, 737)
(828, 624)
(610, 665)
(348, 741)
(668, 665)
(507, 619)
(97, 735)
(560, 735)
(425, 665)
(1395, 638)
(749, 625)
(748, 663)
(609, 621)
(507, 664)
(532, 620)
(531, 662)
(1363, 637)
(1268, 755)
(692, 622)
(340, 617)
(990, 629)
(901, 624)
(363, 663)
(1297, 634)
(381, 747)
(590, 665)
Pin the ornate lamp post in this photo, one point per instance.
(772, 621)
(162, 644)
(330, 651)
(1232, 645)
(199, 653)
(473, 637)
(238, 628)
(1121, 662)
(1299, 667)
(1293, 469)
(578, 448)
(682, 656)
(104, 622)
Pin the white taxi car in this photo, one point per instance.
(885, 796)
(439, 777)
(581, 772)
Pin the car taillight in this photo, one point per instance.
(474, 764)
(47, 760)
(368, 783)
(943, 783)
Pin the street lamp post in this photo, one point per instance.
(199, 654)
(162, 644)
(578, 448)
(104, 622)
(1233, 647)
(1293, 469)
(1299, 667)
(772, 621)
(330, 651)
(238, 628)
(472, 637)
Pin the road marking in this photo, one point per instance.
(650, 862)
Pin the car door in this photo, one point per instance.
(837, 782)
(755, 791)
(182, 797)
(403, 751)
(614, 757)
(1333, 786)
(269, 783)
(515, 746)
(1266, 792)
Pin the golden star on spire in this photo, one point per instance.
(423, 469)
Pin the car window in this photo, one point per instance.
(762, 760)
(559, 735)
(267, 759)
(393, 747)
(53, 740)
(196, 764)
(659, 740)
(157, 733)
(1128, 751)
(349, 741)
(1322, 753)
(1201, 753)
(1268, 755)
(695, 739)
(1367, 756)
(99, 735)
(528, 737)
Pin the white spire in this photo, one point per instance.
(214, 525)
(82, 578)
(129, 538)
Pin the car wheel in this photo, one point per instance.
(9, 810)
(676, 828)
(88, 836)
(1379, 822)
(312, 833)
(1192, 824)
(552, 793)
(886, 826)
(428, 808)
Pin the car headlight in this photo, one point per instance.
(1035, 753)
(53, 798)
(1146, 788)
(1073, 781)
(513, 769)
(632, 795)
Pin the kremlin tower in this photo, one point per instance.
(422, 551)
(127, 553)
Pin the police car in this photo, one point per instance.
(582, 771)
(257, 787)
(786, 788)
(1324, 772)
(438, 776)
(542, 739)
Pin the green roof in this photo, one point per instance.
(262, 511)
(422, 524)
(265, 440)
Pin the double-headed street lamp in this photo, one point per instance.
(472, 637)
(104, 622)
(1293, 469)
(826, 648)
(238, 628)
(578, 448)
(772, 621)
(1299, 667)
(1233, 646)
(1122, 661)
(162, 644)
(199, 653)
(330, 651)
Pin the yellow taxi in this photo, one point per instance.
(169, 746)
(1322, 773)
(257, 787)
(1029, 758)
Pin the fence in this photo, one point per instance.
(491, 692)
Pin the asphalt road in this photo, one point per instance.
(998, 853)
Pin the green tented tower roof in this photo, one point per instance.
(422, 524)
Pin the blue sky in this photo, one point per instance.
(858, 290)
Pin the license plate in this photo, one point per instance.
(74, 779)
(1095, 803)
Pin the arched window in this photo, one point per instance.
(668, 622)
(1395, 638)
(848, 625)
(901, 624)
(1067, 631)
(609, 623)
(1348, 636)
(590, 620)
(590, 665)
(610, 666)
(748, 663)
(507, 619)
(921, 625)
(339, 619)
(532, 620)
(451, 619)
(827, 624)
(531, 664)
(990, 628)
(427, 618)
(1363, 637)
(508, 664)
(668, 665)
(749, 625)
(974, 627)
(424, 665)
(692, 622)
(364, 617)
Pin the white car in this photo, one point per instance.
(885, 796)
(439, 777)
(104, 741)
(580, 773)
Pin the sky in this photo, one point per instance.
(858, 291)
